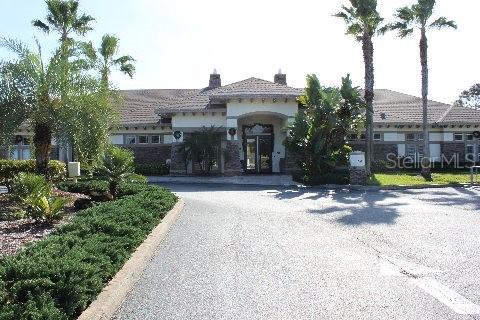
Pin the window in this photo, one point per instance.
(458, 136)
(352, 136)
(410, 151)
(155, 139)
(143, 139)
(410, 137)
(420, 137)
(469, 136)
(362, 136)
(130, 140)
(377, 136)
(470, 149)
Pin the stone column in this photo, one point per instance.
(233, 166)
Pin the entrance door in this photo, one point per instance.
(258, 147)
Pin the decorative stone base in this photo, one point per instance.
(177, 163)
(358, 176)
(233, 166)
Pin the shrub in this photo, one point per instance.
(117, 166)
(86, 187)
(57, 278)
(35, 193)
(26, 184)
(157, 169)
(9, 169)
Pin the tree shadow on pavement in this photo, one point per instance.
(465, 197)
(351, 208)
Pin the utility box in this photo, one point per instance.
(357, 159)
(358, 171)
(74, 170)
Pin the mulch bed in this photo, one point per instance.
(16, 234)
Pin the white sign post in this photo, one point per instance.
(358, 172)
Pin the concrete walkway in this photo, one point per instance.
(262, 180)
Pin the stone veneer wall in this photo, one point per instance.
(151, 154)
(177, 163)
(234, 165)
(450, 149)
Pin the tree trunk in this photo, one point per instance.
(426, 172)
(42, 140)
(367, 46)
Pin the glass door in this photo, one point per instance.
(264, 155)
(251, 154)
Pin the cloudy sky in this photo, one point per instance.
(177, 43)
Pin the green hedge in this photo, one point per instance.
(57, 278)
(98, 186)
(10, 168)
(152, 169)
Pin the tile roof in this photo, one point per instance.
(254, 87)
(142, 106)
(395, 107)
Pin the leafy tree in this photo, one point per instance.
(363, 22)
(202, 147)
(318, 134)
(470, 98)
(418, 16)
(63, 17)
(54, 98)
(118, 165)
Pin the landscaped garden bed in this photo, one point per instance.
(58, 277)
(16, 230)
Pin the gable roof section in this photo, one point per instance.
(254, 87)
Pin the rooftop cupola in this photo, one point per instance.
(215, 80)
(280, 78)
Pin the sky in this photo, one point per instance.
(178, 43)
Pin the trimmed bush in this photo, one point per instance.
(11, 168)
(57, 278)
(160, 169)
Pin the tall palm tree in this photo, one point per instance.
(363, 22)
(108, 58)
(418, 16)
(63, 17)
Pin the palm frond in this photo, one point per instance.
(443, 22)
(41, 25)
(128, 69)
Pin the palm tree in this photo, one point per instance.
(418, 16)
(108, 58)
(46, 97)
(63, 17)
(363, 21)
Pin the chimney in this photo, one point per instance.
(215, 80)
(280, 78)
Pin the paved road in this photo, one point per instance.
(247, 253)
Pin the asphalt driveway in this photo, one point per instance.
(249, 253)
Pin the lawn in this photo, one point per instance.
(415, 179)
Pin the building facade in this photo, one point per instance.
(251, 117)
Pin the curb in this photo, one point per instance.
(112, 296)
(327, 186)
